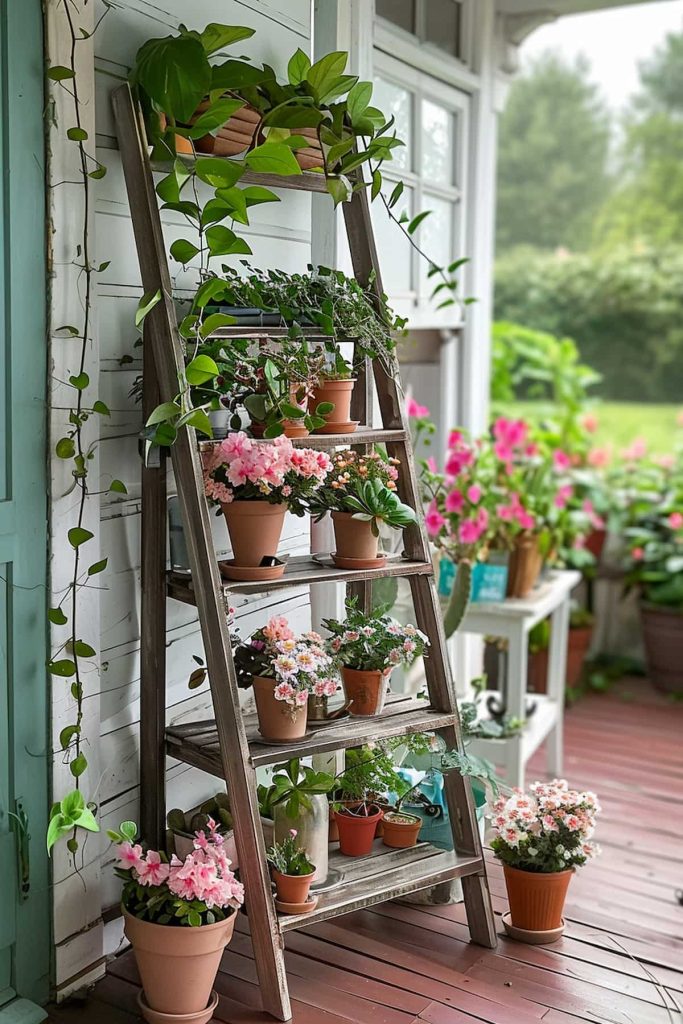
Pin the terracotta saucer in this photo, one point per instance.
(296, 908)
(282, 743)
(358, 563)
(312, 724)
(338, 428)
(531, 937)
(247, 573)
(157, 1017)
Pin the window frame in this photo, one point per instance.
(464, 57)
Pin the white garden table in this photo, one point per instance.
(513, 619)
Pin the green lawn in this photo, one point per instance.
(619, 423)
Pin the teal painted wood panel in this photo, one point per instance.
(24, 686)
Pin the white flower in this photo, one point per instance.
(532, 851)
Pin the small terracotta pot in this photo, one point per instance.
(277, 720)
(400, 830)
(526, 562)
(255, 528)
(354, 537)
(182, 145)
(356, 834)
(292, 888)
(309, 157)
(595, 542)
(536, 898)
(663, 638)
(577, 649)
(177, 965)
(339, 393)
(366, 690)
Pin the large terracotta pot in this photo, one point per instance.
(365, 689)
(356, 834)
(354, 537)
(663, 638)
(577, 649)
(339, 393)
(536, 898)
(255, 528)
(292, 888)
(526, 562)
(277, 720)
(178, 965)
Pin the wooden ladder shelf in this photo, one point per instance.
(229, 746)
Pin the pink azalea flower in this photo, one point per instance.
(454, 502)
(129, 856)
(563, 495)
(434, 521)
(561, 460)
(676, 520)
(469, 532)
(590, 422)
(415, 410)
(525, 520)
(637, 554)
(152, 871)
(474, 494)
(635, 451)
(598, 457)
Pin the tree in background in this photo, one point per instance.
(648, 204)
(553, 154)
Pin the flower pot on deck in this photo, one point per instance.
(577, 650)
(663, 639)
(536, 898)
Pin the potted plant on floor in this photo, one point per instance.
(367, 648)
(541, 838)
(292, 873)
(255, 484)
(360, 493)
(178, 916)
(283, 669)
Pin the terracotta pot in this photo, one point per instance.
(292, 888)
(526, 562)
(277, 720)
(255, 528)
(339, 393)
(177, 965)
(595, 542)
(182, 145)
(353, 537)
(309, 157)
(366, 690)
(234, 137)
(536, 899)
(537, 671)
(400, 830)
(356, 834)
(577, 649)
(663, 639)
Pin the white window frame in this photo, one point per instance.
(466, 55)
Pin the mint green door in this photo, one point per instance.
(24, 760)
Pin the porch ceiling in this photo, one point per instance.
(558, 8)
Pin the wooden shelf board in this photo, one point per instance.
(382, 876)
(307, 181)
(198, 741)
(362, 435)
(301, 571)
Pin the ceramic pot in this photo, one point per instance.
(577, 649)
(312, 826)
(400, 830)
(177, 965)
(366, 690)
(255, 528)
(354, 538)
(339, 393)
(526, 561)
(356, 833)
(536, 898)
(292, 888)
(277, 720)
(663, 639)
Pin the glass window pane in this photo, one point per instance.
(393, 247)
(394, 100)
(437, 143)
(399, 12)
(442, 25)
(435, 237)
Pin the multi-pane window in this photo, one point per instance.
(438, 22)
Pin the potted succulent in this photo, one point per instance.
(178, 916)
(297, 799)
(368, 648)
(255, 484)
(292, 873)
(283, 669)
(541, 838)
(360, 493)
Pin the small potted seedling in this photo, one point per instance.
(292, 873)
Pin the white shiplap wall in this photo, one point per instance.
(280, 236)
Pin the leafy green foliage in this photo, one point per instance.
(69, 814)
(289, 858)
(459, 599)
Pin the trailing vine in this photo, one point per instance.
(71, 813)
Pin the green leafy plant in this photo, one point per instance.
(376, 504)
(289, 858)
(293, 784)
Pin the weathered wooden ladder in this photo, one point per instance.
(229, 747)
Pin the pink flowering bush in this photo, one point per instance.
(199, 890)
(373, 642)
(243, 469)
(299, 664)
(549, 829)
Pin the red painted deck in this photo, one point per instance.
(621, 959)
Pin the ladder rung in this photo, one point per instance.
(307, 181)
(301, 571)
(198, 741)
(362, 435)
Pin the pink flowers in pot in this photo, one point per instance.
(299, 665)
(243, 469)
